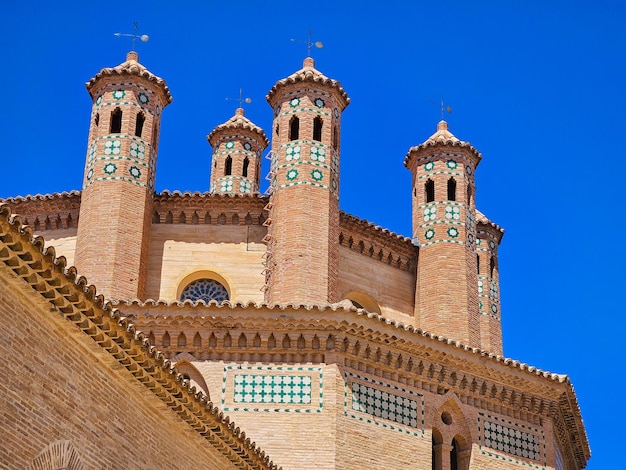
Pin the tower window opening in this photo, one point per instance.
(116, 121)
(335, 137)
(436, 441)
(96, 120)
(228, 168)
(246, 163)
(317, 129)
(430, 190)
(469, 195)
(454, 455)
(451, 189)
(492, 266)
(277, 129)
(294, 128)
(478, 264)
(141, 119)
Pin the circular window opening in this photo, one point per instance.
(205, 289)
(446, 418)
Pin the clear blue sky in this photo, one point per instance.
(537, 87)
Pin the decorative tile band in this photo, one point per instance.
(517, 440)
(288, 185)
(455, 242)
(459, 174)
(384, 404)
(115, 178)
(277, 389)
(300, 110)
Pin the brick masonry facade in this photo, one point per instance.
(333, 343)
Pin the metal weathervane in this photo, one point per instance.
(444, 109)
(143, 37)
(309, 43)
(241, 99)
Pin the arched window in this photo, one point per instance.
(454, 455)
(430, 190)
(317, 129)
(141, 118)
(228, 167)
(335, 137)
(451, 189)
(205, 289)
(436, 442)
(294, 128)
(362, 300)
(116, 121)
(96, 120)
(246, 163)
(469, 195)
(189, 372)
(492, 266)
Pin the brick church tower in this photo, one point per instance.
(354, 348)
(118, 185)
(444, 228)
(237, 148)
(303, 236)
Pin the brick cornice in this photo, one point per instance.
(47, 211)
(402, 352)
(77, 302)
(378, 242)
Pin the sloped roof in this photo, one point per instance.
(235, 123)
(71, 296)
(308, 73)
(482, 219)
(442, 137)
(131, 67)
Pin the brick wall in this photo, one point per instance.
(57, 384)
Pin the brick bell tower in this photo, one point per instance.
(303, 234)
(489, 236)
(444, 228)
(118, 185)
(237, 148)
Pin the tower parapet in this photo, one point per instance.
(303, 237)
(118, 184)
(237, 148)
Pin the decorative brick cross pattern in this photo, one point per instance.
(382, 404)
(515, 439)
(281, 389)
(512, 441)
